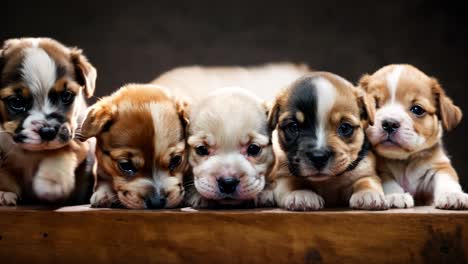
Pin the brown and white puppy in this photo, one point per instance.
(43, 86)
(140, 148)
(323, 156)
(412, 112)
(230, 150)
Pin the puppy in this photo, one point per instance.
(43, 86)
(230, 150)
(412, 112)
(323, 156)
(230, 146)
(140, 148)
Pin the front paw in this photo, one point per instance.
(102, 198)
(265, 198)
(452, 200)
(196, 201)
(53, 185)
(303, 200)
(399, 200)
(368, 200)
(8, 198)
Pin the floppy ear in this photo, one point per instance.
(273, 116)
(367, 106)
(183, 109)
(97, 120)
(364, 82)
(448, 112)
(86, 74)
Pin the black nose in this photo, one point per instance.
(319, 158)
(156, 202)
(227, 185)
(390, 125)
(47, 133)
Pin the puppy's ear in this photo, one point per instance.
(86, 74)
(97, 120)
(183, 109)
(273, 115)
(364, 82)
(448, 112)
(367, 106)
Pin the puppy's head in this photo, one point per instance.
(411, 109)
(320, 121)
(42, 89)
(140, 145)
(230, 146)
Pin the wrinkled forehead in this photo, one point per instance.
(229, 121)
(315, 97)
(152, 128)
(36, 66)
(401, 83)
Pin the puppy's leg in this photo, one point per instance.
(368, 194)
(55, 177)
(289, 195)
(104, 195)
(395, 195)
(448, 193)
(266, 198)
(9, 189)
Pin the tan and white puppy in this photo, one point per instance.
(43, 86)
(323, 157)
(140, 148)
(230, 149)
(412, 112)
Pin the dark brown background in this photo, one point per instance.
(133, 41)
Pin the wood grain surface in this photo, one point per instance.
(83, 235)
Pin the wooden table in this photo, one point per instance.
(83, 235)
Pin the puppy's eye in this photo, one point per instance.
(127, 167)
(253, 150)
(67, 97)
(16, 104)
(345, 130)
(417, 110)
(175, 162)
(202, 150)
(292, 128)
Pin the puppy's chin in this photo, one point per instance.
(51, 145)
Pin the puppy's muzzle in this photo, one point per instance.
(228, 185)
(390, 125)
(156, 201)
(319, 158)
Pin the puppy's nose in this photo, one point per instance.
(227, 185)
(156, 202)
(319, 158)
(47, 133)
(390, 125)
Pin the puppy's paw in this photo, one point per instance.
(8, 198)
(265, 199)
(196, 201)
(102, 198)
(452, 200)
(303, 200)
(53, 185)
(399, 200)
(368, 200)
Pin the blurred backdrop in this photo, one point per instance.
(134, 41)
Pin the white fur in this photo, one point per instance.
(326, 95)
(392, 81)
(35, 42)
(38, 71)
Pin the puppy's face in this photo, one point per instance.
(42, 90)
(320, 120)
(140, 145)
(410, 107)
(230, 149)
